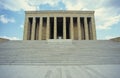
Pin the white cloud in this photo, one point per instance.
(16, 5)
(74, 4)
(10, 38)
(39, 2)
(22, 26)
(82, 4)
(5, 20)
(106, 18)
(109, 22)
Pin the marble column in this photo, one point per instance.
(37, 31)
(79, 28)
(64, 27)
(90, 30)
(71, 28)
(33, 29)
(40, 28)
(55, 28)
(48, 29)
(26, 29)
(86, 28)
(93, 28)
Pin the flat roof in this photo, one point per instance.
(59, 11)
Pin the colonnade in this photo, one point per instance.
(44, 28)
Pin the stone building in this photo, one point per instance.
(44, 25)
(76, 55)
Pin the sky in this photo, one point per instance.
(12, 15)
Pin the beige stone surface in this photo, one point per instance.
(60, 59)
(116, 39)
(33, 29)
(40, 29)
(3, 40)
(75, 31)
(55, 28)
(60, 52)
(64, 28)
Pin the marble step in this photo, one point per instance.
(60, 53)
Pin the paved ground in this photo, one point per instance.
(60, 59)
(81, 71)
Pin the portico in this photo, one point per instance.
(44, 25)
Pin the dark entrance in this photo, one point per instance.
(52, 28)
(67, 28)
(60, 27)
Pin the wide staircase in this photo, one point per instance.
(59, 52)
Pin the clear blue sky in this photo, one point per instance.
(107, 15)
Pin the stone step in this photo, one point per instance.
(45, 44)
(61, 52)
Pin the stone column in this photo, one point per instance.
(55, 28)
(93, 28)
(79, 28)
(48, 29)
(64, 27)
(86, 28)
(37, 31)
(90, 33)
(33, 29)
(71, 28)
(26, 29)
(40, 28)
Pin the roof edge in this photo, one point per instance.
(61, 11)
